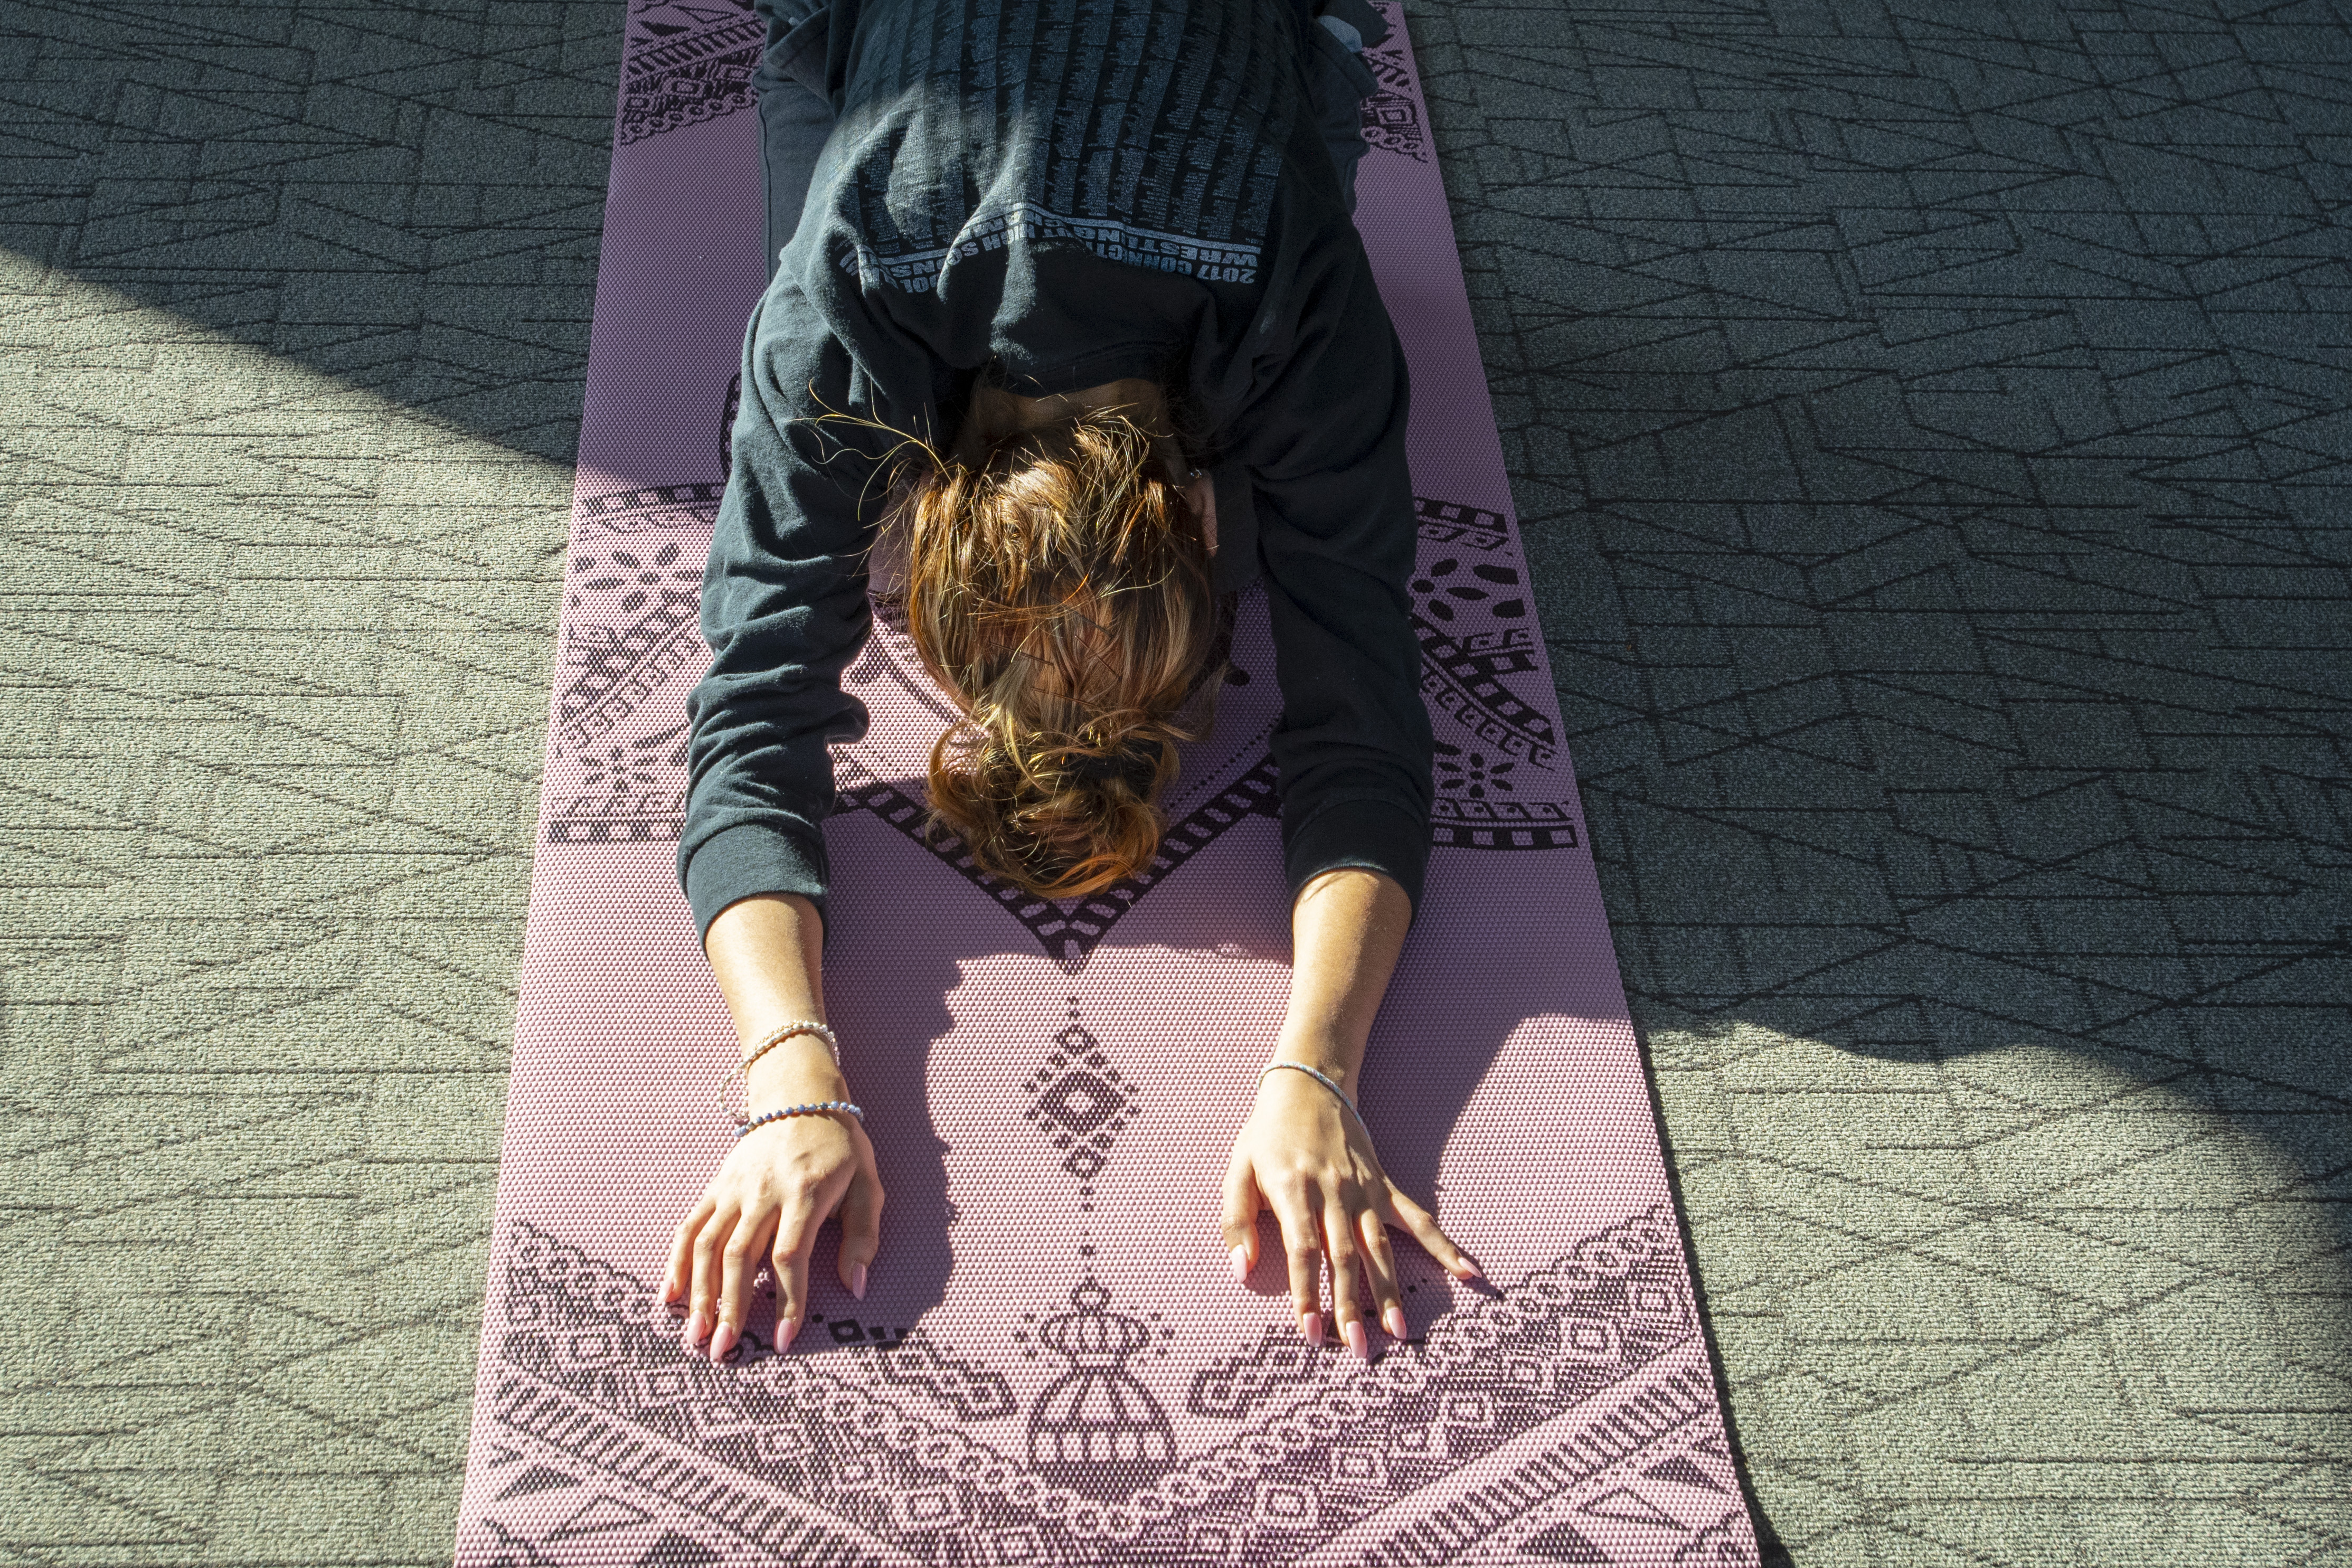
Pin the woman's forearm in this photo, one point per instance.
(1347, 928)
(1302, 1154)
(784, 1179)
(767, 954)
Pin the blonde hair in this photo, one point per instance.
(1058, 587)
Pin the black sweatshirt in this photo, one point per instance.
(1058, 193)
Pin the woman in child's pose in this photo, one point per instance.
(1099, 253)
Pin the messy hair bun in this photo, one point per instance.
(1058, 587)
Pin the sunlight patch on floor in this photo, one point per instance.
(273, 698)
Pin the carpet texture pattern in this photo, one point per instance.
(1925, 423)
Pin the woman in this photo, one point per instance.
(1072, 322)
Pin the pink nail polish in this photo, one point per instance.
(857, 1280)
(1311, 1325)
(1393, 1321)
(1358, 1340)
(784, 1332)
(1241, 1263)
(1470, 1267)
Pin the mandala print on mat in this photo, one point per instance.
(687, 62)
(648, 509)
(1574, 1406)
(965, 1390)
(1096, 1430)
(1392, 113)
(1499, 783)
(1069, 929)
(1082, 1103)
(630, 645)
(1280, 1362)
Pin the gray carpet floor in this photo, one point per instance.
(1928, 424)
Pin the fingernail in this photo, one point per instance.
(694, 1332)
(722, 1339)
(1470, 1267)
(1393, 1321)
(1241, 1263)
(1311, 1325)
(784, 1332)
(857, 1280)
(1358, 1340)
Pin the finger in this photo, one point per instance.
(1422, 1226)
(1380, 1269)
(1340, 1229)
(701, 1314)
(796, 1240)
(861, 1233)
(737, 1261)
(681, 1251)
(1302, 1242)
(1238, 1219)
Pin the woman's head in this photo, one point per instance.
(1057, 587)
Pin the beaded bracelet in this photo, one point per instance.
(1325, 1080)
(819, 1108)
(776, 1037)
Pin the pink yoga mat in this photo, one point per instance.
(1052, 1364)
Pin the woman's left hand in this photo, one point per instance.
(1305, 1155)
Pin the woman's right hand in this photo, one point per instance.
(771, 1195)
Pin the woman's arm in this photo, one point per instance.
(1332, 497)
(1302, 1152)
(781, 1182)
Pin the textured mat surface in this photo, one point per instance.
(1986, 936)
(1050, 1365)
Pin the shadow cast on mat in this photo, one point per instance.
(1925, 433)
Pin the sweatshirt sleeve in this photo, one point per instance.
(784, 610)
(1325, 445)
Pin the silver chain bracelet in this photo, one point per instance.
(1322, 1077)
